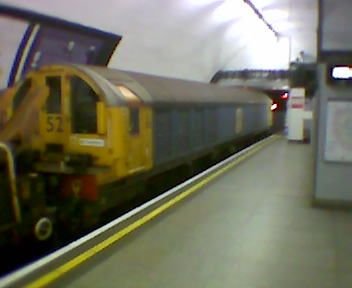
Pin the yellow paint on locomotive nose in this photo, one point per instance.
(112, 146)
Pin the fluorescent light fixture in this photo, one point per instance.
(261, 17)
(245, 10)
(342, 72)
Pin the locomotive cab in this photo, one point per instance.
(90, 124)
(72, 124)
(65, 131)
(81, 123)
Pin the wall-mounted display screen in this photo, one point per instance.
(341, 73)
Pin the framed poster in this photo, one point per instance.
(338, 141)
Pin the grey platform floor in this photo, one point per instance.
(253, 227)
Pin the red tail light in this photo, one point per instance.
(284, 96)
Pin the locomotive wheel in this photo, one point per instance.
(43, 229)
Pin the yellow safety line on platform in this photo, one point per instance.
(57, 273)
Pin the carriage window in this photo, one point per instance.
(21, 93)
(134, 121)
(53, 102)
(83, 107)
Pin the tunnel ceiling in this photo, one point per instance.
(193, 39)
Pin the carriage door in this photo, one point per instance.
(139, 134)
(139, 139)
(53, 124)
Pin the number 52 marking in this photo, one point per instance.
(54, 124)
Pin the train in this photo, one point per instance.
(71, 136)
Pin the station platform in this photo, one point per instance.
(252, 227)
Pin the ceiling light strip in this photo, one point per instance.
(261, 17)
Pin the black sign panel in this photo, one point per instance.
(50, 40)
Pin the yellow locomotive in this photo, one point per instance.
(69, 131)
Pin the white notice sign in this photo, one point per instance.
(92, 142)
(338, 143)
